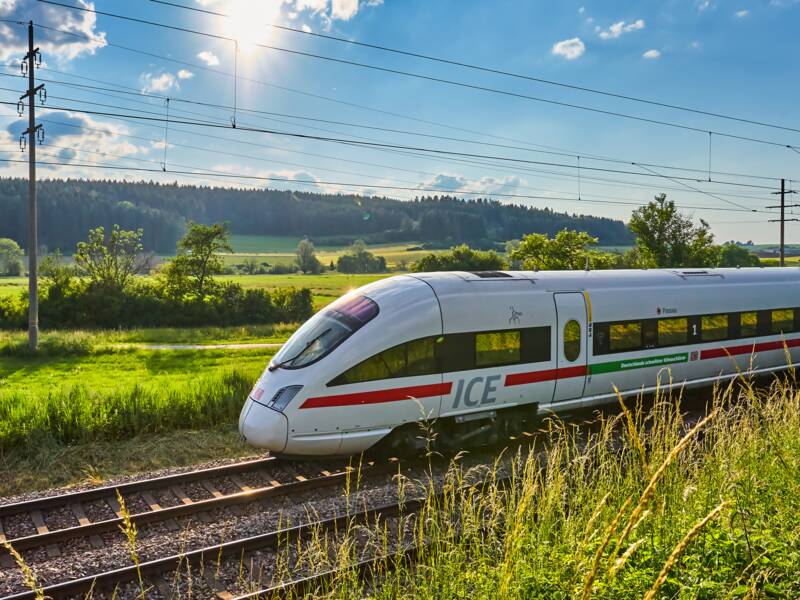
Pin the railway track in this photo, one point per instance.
(159, 500)
(159, 573)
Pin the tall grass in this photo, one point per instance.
(77, 414)
(648, 506)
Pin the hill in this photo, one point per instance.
(68, 208)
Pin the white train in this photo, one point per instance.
(482, 354)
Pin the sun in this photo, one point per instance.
(249, 21)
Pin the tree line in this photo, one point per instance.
(69, 208)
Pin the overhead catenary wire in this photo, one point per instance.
(354, 142)
(537, 172)
(428, 77)
(340, 184)
(307, 94)
(495, 71)
(584, 156)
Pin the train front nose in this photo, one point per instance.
(263, 427)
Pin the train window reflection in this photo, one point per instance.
(782, 321)
(420, 357)
(497, 348)
(749, 324)
(713, 327)
(625, 336)
(572, 340)
(672, 332)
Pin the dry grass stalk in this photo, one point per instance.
(27, 573)
(598, 555)
(659, 473)
(679, 549)
(129, 529)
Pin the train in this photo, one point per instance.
(467, 357)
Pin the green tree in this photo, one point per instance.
(111, 261)
(732, 254)
(569, 249)
(192, 270)
(666, 238)
(360, 260)
(460, 258)
(307, 260)
(10, 257)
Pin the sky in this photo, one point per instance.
(509, 140)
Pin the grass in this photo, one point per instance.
(55, 464)
(650, 506)
(110, 396)
(83, 342)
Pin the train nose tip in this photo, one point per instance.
(263, 427)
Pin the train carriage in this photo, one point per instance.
(482, 354)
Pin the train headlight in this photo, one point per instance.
(283, 396)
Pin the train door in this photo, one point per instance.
(571, 348)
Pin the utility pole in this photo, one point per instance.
(783, 218)
(34, 133)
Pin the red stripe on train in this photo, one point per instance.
(748, 348)
(548, 375)
(379, 396)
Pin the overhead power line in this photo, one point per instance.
(430, 78)
(257, 112)
(341, 184)
(354, 142)
(494, 71)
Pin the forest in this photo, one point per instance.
(69, 208)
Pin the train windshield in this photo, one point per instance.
(324, 331)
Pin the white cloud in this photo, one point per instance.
(620, 27)
(374, 2)
(208, 57)
(741, 14)
(704, 5)
(695, 45)
(158, 83)
(570, 49)
(581, 10)
(652, 54)
(486, 186)
(344, 9)
(306, 28)
(185, 74)
(79, 33)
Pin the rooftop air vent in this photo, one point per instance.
(697, 273)
(489, 274)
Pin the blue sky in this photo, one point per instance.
(737, 58)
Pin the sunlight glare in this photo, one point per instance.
(249, 21)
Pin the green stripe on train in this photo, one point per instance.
(638, 363)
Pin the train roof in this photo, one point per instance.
(452, 281)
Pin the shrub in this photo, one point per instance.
(461, 258)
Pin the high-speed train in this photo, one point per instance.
(478, 355)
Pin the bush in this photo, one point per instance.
(461, 258)
(146, 304)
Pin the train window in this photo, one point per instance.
(535, 344)
(572, 340)
(600, 335)
(649, 333)
(714, 327)
(389, 363)
(625, 336)
(673, 332)
(764, 322)
(748, 324)
(497, 348)
(782, 321)
(456, 352)
(421, 357)
(321, 334)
